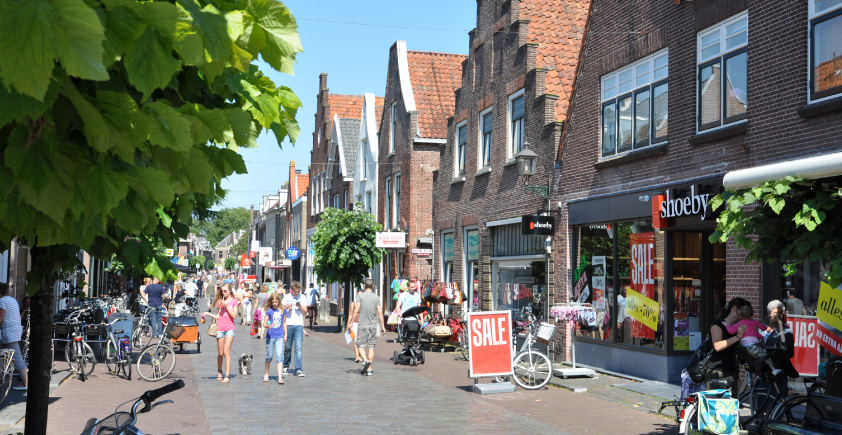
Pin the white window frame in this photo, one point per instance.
(397, 200)
(368, 201)
(510, 144)
(324, 189)
(723, 54)
(393, 123)
(336, 201)
(459, 151)
(346, 201)
(449, 232)
(644, 75)
(387, 210)
(813, 18)
(483, 160)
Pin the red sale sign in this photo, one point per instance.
(491, 343)
(806, 359)
(642, 276)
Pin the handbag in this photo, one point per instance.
(438, 329)
(212, 329)
(718, 412)
(394, 318)
(697, 367)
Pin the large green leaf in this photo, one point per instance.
(281, 31)
(149, 63)
(36, 33)
(106, 187)
(171, 129)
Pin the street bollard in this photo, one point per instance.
(340, 322)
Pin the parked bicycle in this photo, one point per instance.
(123, 423)
(464, 336)
(142, 329)
(79, 355)
(118, 351)
(532, 368)
(156, 361)
(7, 371)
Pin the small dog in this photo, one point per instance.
(245, 364)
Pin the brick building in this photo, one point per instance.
(672, 104)
(296, 223)
(419, 99)
(514, 94)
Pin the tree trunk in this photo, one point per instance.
(40, 356)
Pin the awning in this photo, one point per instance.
(827, 165)
(282, 264)
(425, 240)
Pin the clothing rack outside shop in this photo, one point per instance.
(571, 312)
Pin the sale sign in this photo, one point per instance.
(806, 359)
(643, 310)
(642, 282)
(830, 306)
(491, 343)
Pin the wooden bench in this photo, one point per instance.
(822, 415)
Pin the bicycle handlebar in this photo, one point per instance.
(153, 395)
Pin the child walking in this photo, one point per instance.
(275, 324)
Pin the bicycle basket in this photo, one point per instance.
(546, 332)
(114, 423)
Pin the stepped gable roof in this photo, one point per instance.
(558, 27)
(349, 130)
(434, 77)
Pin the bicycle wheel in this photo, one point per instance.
(141, 336)
(464, 346)
(5, 383)
(791, 410)
(818, 387)
(155, 362)
(532, 369)
(111, 358)
(88, 357)
(692, 425)
(127, 364)
(762, 404)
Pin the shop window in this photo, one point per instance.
(640, 275)
(447, 241)
(593, 279)
(800, 291)
(634, 105)
(508, 241)
(471, 262)
(825, 48)
(518, 282)
(723, 73)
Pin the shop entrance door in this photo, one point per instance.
(516, 283)
(698, 284)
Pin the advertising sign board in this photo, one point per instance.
(391, 240)
(491, 343)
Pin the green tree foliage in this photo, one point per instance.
(209, 264)
(344, 244)
(230, 263)
(197, 261)
(790, 219)
(119, 120)
(241, 247)
(222, 223)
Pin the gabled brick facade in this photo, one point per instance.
(527, 48)
(780, 125)
(420, 86)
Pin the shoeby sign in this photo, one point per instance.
(537, 225)
(490, 343)
(679, 203)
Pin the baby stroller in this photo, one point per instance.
(412, 353)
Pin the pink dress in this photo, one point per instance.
(226, 322)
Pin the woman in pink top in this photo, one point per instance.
(226, 310)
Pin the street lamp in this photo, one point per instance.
(526, 161)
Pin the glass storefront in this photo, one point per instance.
(517, 280)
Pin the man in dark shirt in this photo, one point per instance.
(153, 294)
(201, 287)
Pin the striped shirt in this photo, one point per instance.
(12, 329)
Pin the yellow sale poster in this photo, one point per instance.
(830, 306)
(641, 308)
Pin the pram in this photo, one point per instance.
(412, 353)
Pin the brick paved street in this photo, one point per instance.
(333, 397)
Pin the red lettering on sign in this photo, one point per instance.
(806, 359)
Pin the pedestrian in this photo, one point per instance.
(370, 322)
(153, 294)
(296, 305)
(353, 323)
(260, 309)
(313, 309)
(723, 361)
(226, 309)
(239, 294)
(190, 288)
(275, 324)
(248, 305)
(408, 299)
(10, 325)
(200, 286)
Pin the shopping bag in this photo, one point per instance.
(394, 318)
(718, 413)
(438, 329)
(253, 331)
(212, 329)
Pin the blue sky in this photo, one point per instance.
(355, 56)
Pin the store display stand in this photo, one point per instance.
(494, 387)
(574, 371)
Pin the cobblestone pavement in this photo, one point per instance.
(334, 398)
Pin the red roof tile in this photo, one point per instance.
(558, 27)
(435, 77)
(379, 104)
(346, 106)
(303, 184)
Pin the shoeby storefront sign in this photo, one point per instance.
(676, 203)
(490, 343)
(536, 225)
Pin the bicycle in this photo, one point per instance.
(142, 331)
(531, 368)
(118, 352)
(120, 423)
(156, 361)
(7, 369)
(77, 351)
(464, 338)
